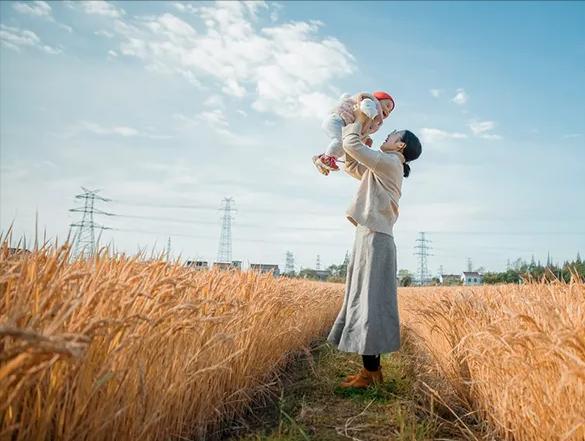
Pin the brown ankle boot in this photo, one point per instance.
(350, 378)
(364, 379)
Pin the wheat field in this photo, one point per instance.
(127, 348)
(513, 354)
(124, 349)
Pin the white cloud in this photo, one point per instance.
(101, 130)
(104, 33)
(217, 121)
(479, 127)
(214, 101)
(98, 7)
(15, 39)
(215, 118)
(282, 69)
(40, 9)
(36, 8)
(483, 129)
(491, 136)
(572, 135)
(432, 135)
(435, 92)
(460, 97)
(185, 7)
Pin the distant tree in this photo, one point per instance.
(522, 271)
(307, 273)
(405, 278)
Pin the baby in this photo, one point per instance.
(376, 107)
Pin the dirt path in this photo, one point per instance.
(307, 404)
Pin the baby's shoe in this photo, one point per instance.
(320, 166)
(326, 161)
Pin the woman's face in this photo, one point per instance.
(393, 142)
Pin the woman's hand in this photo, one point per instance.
(363, 119)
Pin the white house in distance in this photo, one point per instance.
(472, 278)
(449, 279)
(265, 268)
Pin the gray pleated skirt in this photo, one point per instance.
(368, 321)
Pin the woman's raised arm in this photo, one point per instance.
(353, 167)
(354, 147)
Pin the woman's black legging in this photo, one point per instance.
(371, 362)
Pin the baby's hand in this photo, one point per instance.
(368, 107)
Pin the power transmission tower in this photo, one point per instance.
(318, 263)
(344, 265)
(224, 252)
(84, 239)
(469, 265)
(169, 249)
(289, 267)
(422, 252)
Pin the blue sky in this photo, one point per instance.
(170, 107)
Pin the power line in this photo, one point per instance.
(204, 222)
(194, 236)
(211, 208)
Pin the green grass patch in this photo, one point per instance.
(308, 404)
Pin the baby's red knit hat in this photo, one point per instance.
(384, 96)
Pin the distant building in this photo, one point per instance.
(471, 278)
(234, 264)
(265, 268)
(197, 264)
(322, 274)
(450, 279)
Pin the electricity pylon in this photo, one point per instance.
(224, 252)
(84, 239)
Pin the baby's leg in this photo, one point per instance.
(332, 126)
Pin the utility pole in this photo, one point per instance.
(84, 239)
(422, 252)
(289, 266)
(224, 252)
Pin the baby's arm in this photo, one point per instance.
(362, 96)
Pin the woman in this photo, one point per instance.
(368, 321)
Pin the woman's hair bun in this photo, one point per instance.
(412, 150)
